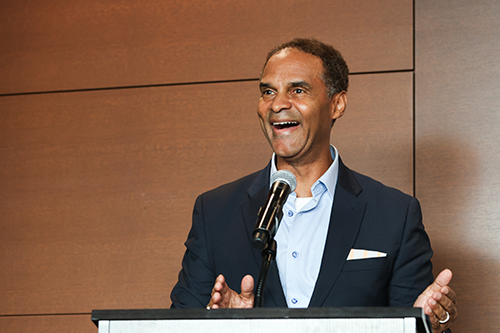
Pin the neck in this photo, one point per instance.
(306, 173)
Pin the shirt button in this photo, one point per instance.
(295, 301)
(295, 254)
(290, 213)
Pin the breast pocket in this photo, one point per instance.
(366, 264)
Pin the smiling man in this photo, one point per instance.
(345, 239)
(296, 114)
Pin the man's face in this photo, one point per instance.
(294, 109)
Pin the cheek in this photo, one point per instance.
(264, 125)
(262, 112)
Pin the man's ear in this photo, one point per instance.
(338, 105)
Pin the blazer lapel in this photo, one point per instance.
(345, 220)
(258, 192)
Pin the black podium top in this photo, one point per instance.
(262, 313)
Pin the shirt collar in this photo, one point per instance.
(329, 178)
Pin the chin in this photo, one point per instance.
(285, 154)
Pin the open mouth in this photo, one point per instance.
(285, 124)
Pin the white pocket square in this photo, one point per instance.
(356, 254)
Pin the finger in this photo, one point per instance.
(444, 312)
(436, 325)
(219, 283)
(434, 320)
(448, 306)
(247, 287)
(438, 310)
(450, 293)
(439, 283)
(443, 279)
(221, 299)
(216, 296)
(443, 301)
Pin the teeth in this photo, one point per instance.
(285, 123)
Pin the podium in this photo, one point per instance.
(276, 320)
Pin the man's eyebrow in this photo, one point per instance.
(303, 84)
(263, 85)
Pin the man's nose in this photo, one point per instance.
(281, 102)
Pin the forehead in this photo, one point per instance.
(289, 63)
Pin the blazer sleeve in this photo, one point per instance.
(412, 271)
(196, 277)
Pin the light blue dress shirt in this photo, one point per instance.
(301, 236)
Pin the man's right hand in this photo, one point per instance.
(225, 297)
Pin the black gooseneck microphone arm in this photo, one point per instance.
(268, 255)
(268, 220)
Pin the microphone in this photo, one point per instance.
(269, 217)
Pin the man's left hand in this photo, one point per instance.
(439, 302)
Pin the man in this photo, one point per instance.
(345, 239)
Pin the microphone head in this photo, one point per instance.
(285, 176)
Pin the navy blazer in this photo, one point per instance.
(365, 215)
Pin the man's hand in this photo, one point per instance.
(439, 302)
(225, 297)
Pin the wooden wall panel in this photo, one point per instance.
(65, 45)
(98, 187)
(458, 145)
(375, 135)
(48, 324)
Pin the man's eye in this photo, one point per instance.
(298, 91)
(267, 92)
